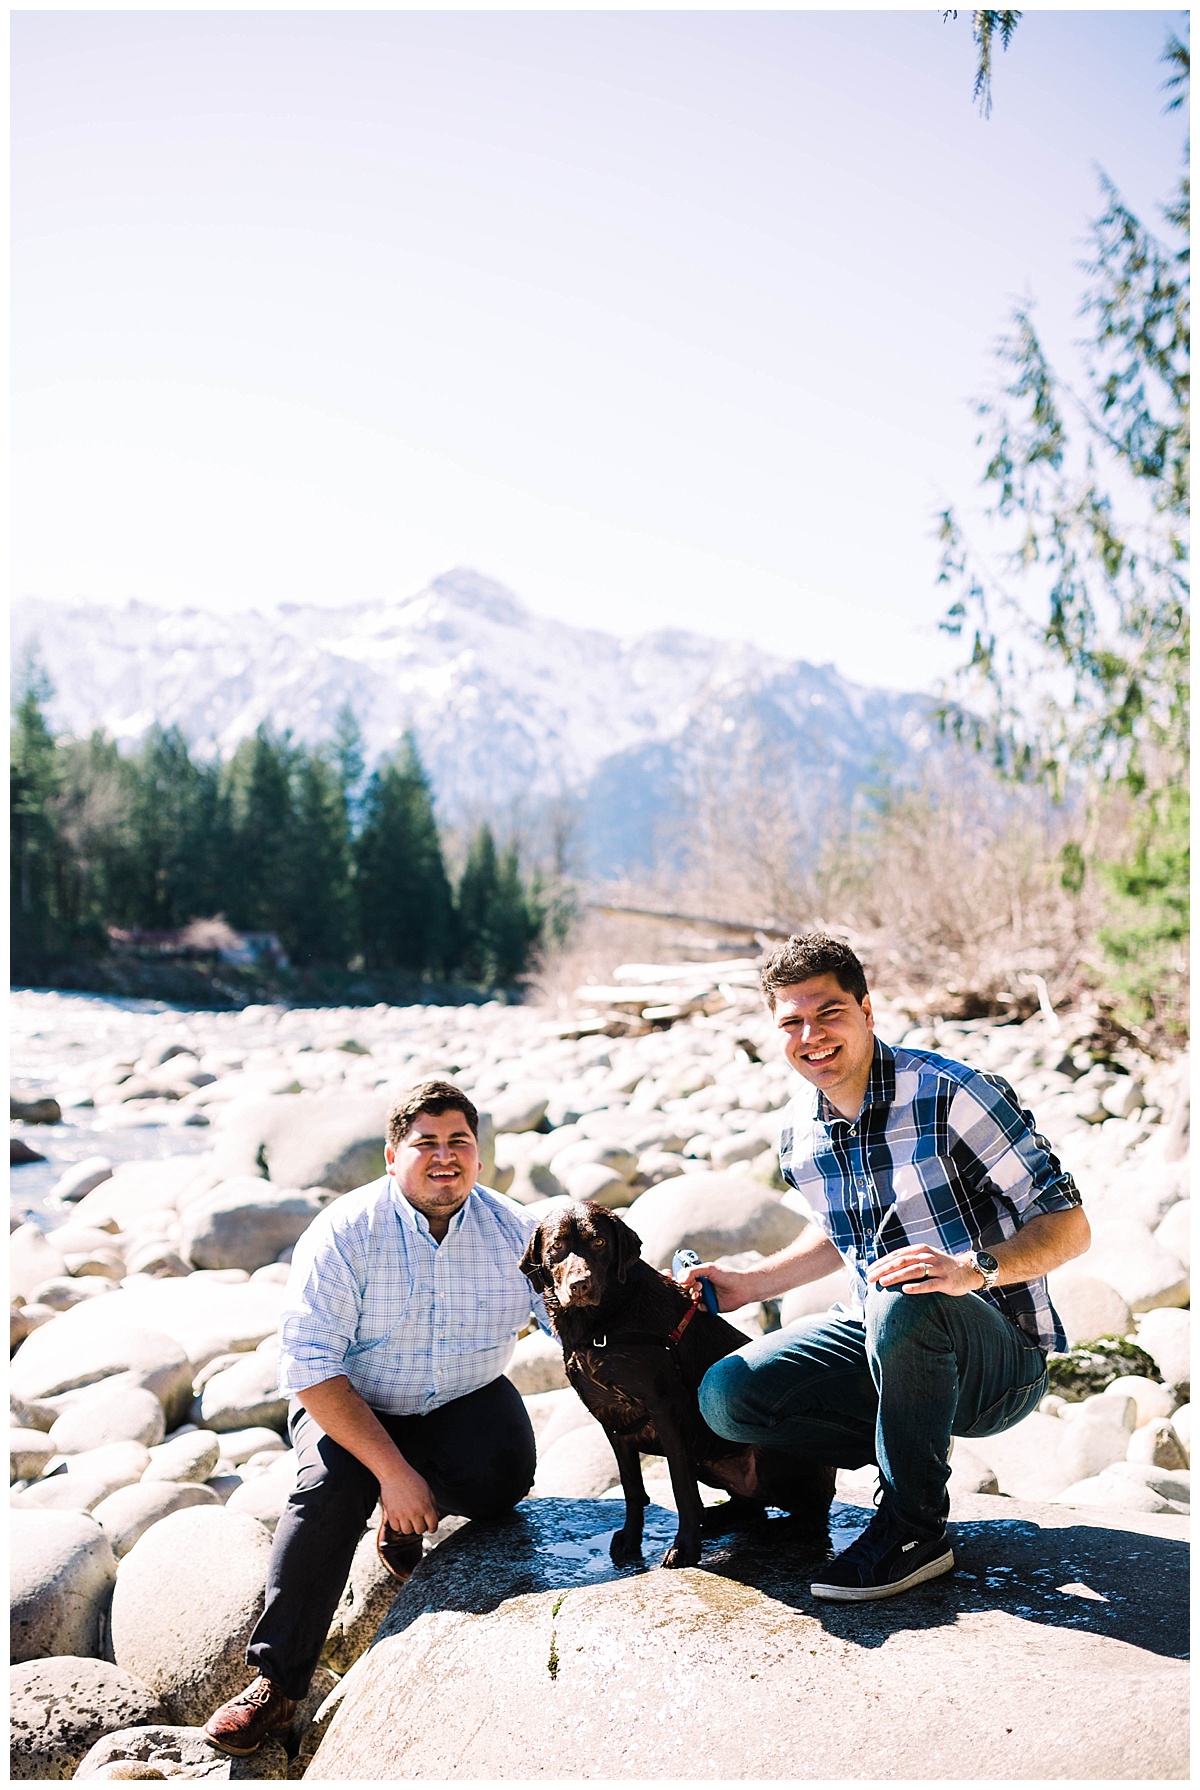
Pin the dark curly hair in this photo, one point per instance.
(808, 954)
(434, 1097)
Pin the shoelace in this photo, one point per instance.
(258, 1692)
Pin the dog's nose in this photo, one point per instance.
(573, 1280)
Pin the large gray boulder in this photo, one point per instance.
(246, 1222)
(534, 1650)
(62, 1571)
(306, 1140)
(122, 1413)
(160, 1751)
(126, 1515)
(1089, 1308)
(187, 1598)
(714, 1214)
(370, 1591)
(82, 1348)
(59, 1708)
(244, 1396)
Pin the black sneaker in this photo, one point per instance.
(884, 1560)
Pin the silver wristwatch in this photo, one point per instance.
(988, 1266)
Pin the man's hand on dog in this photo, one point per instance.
(917, 1268)
(407, 1502)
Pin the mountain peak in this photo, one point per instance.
(471, 591)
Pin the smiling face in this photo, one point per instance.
(436, 1164)
(828, 1038)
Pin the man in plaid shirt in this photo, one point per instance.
(929, 1183)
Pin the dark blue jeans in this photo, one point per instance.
(891, 1387)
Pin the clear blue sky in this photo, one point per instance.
(659, 318)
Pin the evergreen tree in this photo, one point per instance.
(258, 784)
(315, 920)
(403, 893)
(498, 921)
(177, 859)
(37, 929)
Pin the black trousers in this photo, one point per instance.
(478, 1455)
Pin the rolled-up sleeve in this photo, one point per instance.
(319, 1320)
(988, 1122)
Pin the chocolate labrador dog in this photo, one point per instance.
(636, 1349)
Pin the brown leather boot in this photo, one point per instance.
(241, 1725)
(400, 1553)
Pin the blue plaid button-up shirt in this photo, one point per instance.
(939, 1154)
(411, 1323)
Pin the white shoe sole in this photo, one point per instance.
(861, 1594)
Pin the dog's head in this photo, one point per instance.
(579, 1253)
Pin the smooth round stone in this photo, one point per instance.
(1166, 1337)
(1118, 1494)
(264, 1497)
(185, 1460)
(120, 1414)
(28, 1453)
(59, 1708)
(537, 1364)
(239, 1445)
(1157, 1445)
(162, 1752)
(61, 1294)
(81, 1179)
(187, 1598)
(126, 1515)
(62, 1568)
(580, 1464)
(1150, 1397)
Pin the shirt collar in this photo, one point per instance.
(881, 1086)
(416, 1221)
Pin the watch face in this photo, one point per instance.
(987, 1263)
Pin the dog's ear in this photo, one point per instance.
(532, 1266)
(628, 1246)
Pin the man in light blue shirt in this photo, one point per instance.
(403, 1308)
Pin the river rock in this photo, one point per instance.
(1157, 1445)
(28, 1453)
(156, 1257)
(264, 1497)
(61, 1572)
(244, 1223)
(565, 1412)
(159, 1751)
(364, 1603)
(513, 1649)
(59, 1708)
(714, 1214)
(61, 1294)
(1151, 1398)
(20, 1152)
(580, 1464)
(1174, 1234)
(238, 1445)
(243, 1396)
(76, 1182)
(32, 1414)
(537, 1364)
(1172, 1483)
(184, 1460)
(1107, 1490)
(123, 1413)
(32, 1259)
(187, 1598)
(211, 1312)
(518, 1109)
(1089, 1307)
(1025, 1458)
(126, 1515)
(1181, 1423)
(80, 1349)
(306, 1140)
(969, 1472)
(89, 1477)
(1166, 1337)
(1090, 1443)
(23, 1320)
(39, 1110)
(595, 1181)
(1128, 1257)
(137, 1188)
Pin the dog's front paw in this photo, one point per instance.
(683, 1551)
(625, 1548)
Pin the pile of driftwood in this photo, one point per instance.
(645, 995)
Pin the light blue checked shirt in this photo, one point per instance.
(939, 1154)
(411, 1323)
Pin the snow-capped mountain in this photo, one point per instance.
(510, 709)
